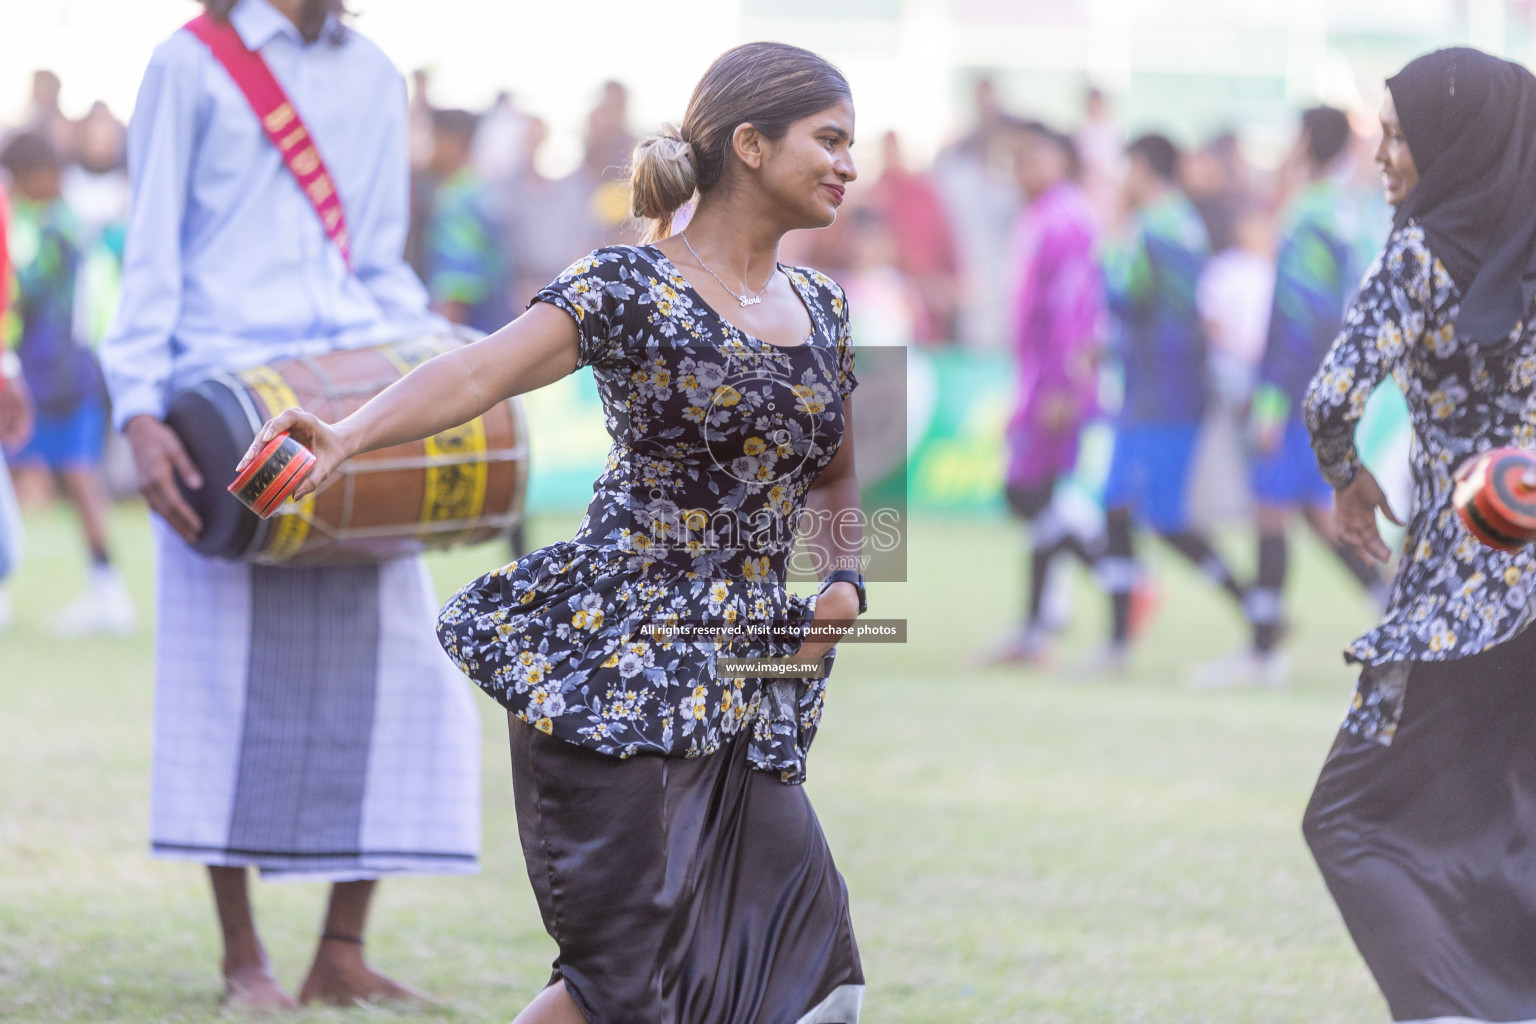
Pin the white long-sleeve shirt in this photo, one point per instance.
(227, 265)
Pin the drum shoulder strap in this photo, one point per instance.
(281, 123)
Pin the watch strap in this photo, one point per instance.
(847, 576)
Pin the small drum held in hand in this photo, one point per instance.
(460, 486)
(272, 475)
(1496, 497)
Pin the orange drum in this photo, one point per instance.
(464, 485)
(1495, 496)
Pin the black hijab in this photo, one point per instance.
(1470, 122)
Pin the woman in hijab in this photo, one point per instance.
(1424, 818)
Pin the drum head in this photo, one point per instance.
(215, 430)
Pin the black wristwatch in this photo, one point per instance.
(846, 576)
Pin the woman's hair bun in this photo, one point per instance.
(662, 178)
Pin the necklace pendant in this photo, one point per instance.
(754, 300)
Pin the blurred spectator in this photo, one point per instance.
(883, 302)
(500, 149)
(1215, 177)
(1234, 296)
(63, 376)
(1362, 185)
(609, 142)
(605, 163)
(96, 184)
(44, 116)
(1100, 147)
(1056, 304)
(420, 115)
(423, 182)
(96, 190)
(925, 247)
(467, 274)
(547, 222)
(1150, 286)
(975, 177)
(830, 249)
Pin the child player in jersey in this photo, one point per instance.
(1315, 278)
(1150, 289)
(62, 373)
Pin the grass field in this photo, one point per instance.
(1019, 847)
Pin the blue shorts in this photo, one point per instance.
(1289, 476)
(1149, 473)
(72, 441)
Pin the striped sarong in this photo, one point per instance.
(307, 722)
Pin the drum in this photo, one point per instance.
(1495, 496)
(464, 485)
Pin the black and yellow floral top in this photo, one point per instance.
(1453, 596)
(717, 438)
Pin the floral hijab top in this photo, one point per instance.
(717, 438)
(1453, 596)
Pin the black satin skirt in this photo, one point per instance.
(684, 891)
(1429, 845)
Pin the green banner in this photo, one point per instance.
(957, 407)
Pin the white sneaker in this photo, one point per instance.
(1024, 646)
(105, 607)
(1274, 668)
(1242, 670)
(1110, 661)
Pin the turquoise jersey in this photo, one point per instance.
(1150, 284)
(1315, 276)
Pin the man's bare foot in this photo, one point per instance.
(340, 977)
(253, 990)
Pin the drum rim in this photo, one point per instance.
(218, 406)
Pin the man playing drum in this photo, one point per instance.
(306, 721)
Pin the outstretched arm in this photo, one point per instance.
(537, 348)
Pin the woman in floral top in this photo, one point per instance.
(1424, 818)
(682, 875)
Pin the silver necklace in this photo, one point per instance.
(745, 300)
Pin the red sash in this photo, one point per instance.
(280, 121)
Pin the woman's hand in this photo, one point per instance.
(838, 606)
(328, 442)
(1355, 508)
